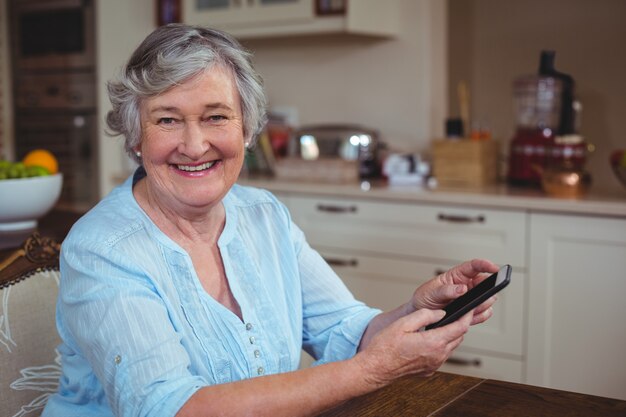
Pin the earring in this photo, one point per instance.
(138, 154)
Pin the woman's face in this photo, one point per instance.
(192, 141)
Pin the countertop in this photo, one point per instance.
(499, 196)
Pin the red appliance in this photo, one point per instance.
(538, 106)
(545, 123)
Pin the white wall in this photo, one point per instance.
(121, 26)
(395, 85)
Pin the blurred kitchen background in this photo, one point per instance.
(397, 71)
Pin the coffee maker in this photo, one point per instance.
(546, 118)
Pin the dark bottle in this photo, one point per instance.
(567, 124)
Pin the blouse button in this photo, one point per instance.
(252, 339)
(248, 326)
(117, 359)
(257, 353)
(260, 370)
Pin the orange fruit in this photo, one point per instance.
(42, 158)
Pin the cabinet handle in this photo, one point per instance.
(342, 262)
(328, 208)
(452, 218)
(464, 362)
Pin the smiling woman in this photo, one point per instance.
(183, 293)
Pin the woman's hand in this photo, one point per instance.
(436, 294)
(401, 348)
(439, 291)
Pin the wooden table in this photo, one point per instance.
(448, 395)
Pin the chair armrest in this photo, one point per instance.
(36, 254)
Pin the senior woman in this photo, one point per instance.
(183, 293)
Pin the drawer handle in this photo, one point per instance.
(460, 219)
(464, 362)
(336, 209)
(342, 262)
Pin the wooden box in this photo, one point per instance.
(332, 170)
(465, 162)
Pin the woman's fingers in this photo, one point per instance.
(484, 311)
(472, 269)
(482, 317)
(454, 330)
(421, 318)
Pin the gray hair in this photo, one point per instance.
(169, 56)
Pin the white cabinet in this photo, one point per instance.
(233, 13)
(270, 18)
(577, 304)
(384, 250)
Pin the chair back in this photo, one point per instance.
(29, 363)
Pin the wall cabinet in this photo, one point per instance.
(383, 251)
(577, 307)
(271, 18)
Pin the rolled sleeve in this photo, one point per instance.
(333, 320)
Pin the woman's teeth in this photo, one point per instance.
(194, 168)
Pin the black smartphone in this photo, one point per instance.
(474, 297)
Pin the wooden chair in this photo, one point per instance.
(29, 363)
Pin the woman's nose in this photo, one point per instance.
(195, 141)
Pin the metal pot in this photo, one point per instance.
(347, 142)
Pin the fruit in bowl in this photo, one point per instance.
(28, 190)
(618, 163)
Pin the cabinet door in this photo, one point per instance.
(577, 305)
(233, 13)
(479, 365)
(427, 232)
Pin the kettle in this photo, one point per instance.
(565, 180)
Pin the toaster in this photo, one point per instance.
(338, 141)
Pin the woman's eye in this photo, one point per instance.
(216, 118)
(166, 121)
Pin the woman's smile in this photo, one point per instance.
(195, 169)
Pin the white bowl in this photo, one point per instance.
(24, 200)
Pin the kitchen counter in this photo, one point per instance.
(500, 196)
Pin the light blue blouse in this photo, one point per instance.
(140, 334)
